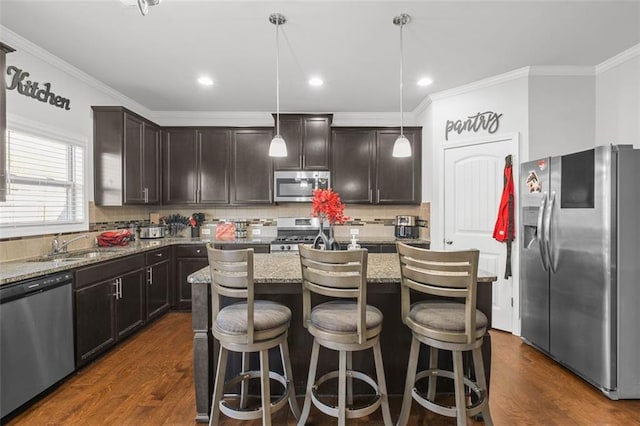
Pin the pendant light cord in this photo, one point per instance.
(278, 78)
(401, 85)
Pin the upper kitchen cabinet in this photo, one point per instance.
(251, 166)
(307, 137)
(4, 49)
(126, 158)
(398, 180)
(364, 171)
(196, 165)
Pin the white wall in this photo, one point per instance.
(561, 114)
(508, 98)
(618, 99)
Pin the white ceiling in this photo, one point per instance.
(353, 45)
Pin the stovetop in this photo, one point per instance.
(294, 239)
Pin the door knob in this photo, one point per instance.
(449, 242)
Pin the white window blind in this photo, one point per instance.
(45, 183)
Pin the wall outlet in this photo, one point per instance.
(256, 231)
(354, 231)
(205, 231)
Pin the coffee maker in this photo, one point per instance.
(406, 227)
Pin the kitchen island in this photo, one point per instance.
(277, 277)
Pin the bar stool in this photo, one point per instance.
(247, 326)
(344, 324)
(443, 324)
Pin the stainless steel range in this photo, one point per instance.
(292, 231)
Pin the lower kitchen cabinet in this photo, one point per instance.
(109, 304)
(189, 259)
(157, 283)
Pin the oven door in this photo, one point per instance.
(298, 186)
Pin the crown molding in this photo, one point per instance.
(422, 107)
(561, 71)
(373, 119)
(481, 84)
(211, 118)
(21, 44)
(620, 58)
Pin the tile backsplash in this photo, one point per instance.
(375, 221)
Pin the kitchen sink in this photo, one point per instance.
(74, 256)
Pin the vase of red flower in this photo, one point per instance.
(328, 208)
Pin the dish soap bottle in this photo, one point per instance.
(354, 244)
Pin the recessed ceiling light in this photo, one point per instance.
(205, 81)
(315, 81)
(425, 81)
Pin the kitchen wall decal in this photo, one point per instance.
(33, 90)
(487, 120)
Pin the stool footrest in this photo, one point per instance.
(254, 413)
(351, 413)
(446, 410)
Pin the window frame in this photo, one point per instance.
(29, 127)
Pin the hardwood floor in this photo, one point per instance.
(148, 380)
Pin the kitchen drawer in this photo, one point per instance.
(196, 250)
(156, 256)
(105, 270)
(257, 248)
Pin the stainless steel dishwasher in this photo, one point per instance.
(36, 337)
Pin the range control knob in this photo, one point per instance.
(281, 247)
(288, 247)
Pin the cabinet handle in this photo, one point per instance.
(117, 293)
(120, 286)
(159, 254)
(448, 242)
(378, 195)
(150, 276)
(198, 251)
(370, 194)
(146, 195)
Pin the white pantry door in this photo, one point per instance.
(473, 183)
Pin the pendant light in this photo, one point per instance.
(143, 5)
(277, 148)
(401, 147)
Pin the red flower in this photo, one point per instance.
(326, 205)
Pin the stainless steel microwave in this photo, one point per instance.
(298, 186)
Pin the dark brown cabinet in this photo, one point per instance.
(109, 304)
(189, 259)
(196, 165)
(364, 171)
(126, 158)
(251, 167)
(307, 137)
(157, 282)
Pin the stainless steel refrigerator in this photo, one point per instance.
(580, 264)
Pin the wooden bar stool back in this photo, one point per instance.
(345, 324)
(454, 325)
(247, 326)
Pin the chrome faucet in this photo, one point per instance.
(62, 247)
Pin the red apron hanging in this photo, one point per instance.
(504, 229)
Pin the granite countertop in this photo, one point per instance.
(19, 270)
(285, 268)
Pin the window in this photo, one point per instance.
(45, 185)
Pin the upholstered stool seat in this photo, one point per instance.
(450, 323)
(247, 326)
(344, 324)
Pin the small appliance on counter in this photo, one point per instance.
(406, 227)
(152, 231)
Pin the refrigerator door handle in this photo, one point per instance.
(540, 232)
(547, 233)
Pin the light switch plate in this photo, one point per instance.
(354, 231)
(205, 231)
(256, 231)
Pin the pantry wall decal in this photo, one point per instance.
(33, 89)
(487, 120)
